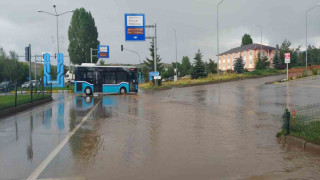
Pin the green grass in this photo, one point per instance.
(8, 101)
(308, 131)
(213, 78)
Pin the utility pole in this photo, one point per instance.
(30, 64)
(155, 48)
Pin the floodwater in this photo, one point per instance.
(220, 131)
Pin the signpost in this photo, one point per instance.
(287, 61)
(103, 51)
(135, 27)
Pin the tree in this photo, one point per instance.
(145, 72)
(179, 68)
(198, 71)
(150, 62)
(83, 35)
(212, 66)
(185, 66)
(262, 62)
(277, 63)
(246, 39)
(239, 65)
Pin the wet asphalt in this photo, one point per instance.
(203, 132)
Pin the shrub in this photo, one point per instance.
(315, 71)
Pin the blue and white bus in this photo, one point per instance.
(90, 78)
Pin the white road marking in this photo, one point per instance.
(35, 174)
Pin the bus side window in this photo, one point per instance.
(121, 77)
(110, 77)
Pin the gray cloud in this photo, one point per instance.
(195, 22)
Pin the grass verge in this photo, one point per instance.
(8, 101)
(213, 78)
(47, 88)
(308, 131)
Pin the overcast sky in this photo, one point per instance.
(194, 21)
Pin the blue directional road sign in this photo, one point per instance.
(154, 73)
(103, 51)
(135, 27)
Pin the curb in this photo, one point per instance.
(301, 143)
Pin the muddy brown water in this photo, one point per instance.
(220, 131)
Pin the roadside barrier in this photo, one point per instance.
(20, 96)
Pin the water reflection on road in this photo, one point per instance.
(203, 132)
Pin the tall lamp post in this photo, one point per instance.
(175, 35)
(218, 38)
(56, 15)
(260, 26)
(307, 32)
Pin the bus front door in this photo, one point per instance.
(132, 82)
(97, 82)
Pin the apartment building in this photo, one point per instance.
(249, 53)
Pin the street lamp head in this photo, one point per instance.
(72, 10)
(54, 6)
(39, 11)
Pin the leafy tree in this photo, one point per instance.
(239, 65)
(145, 72)
(169, 72)
(185, 66)
(179, 68)
(83, 35)
(198, 71)
(294, 58)
(150, 62)
(262, 62)
(246, 39)
(101, 62)
(277, 63)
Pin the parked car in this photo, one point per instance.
(26, 85)
(6, 86)
(35, 83)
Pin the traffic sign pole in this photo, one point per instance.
(287, 61)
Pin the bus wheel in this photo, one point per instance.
(123, 90)
(88, 91)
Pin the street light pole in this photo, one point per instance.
(55, 9)
(175, 35)
(307, 32)
(56, 15)
(260, 26)
(218, 38)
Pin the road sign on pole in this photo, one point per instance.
(287, 61)
(154, 73)
(135, 27)
(103, 51)
(287, 57)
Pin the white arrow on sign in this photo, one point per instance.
(135, 37)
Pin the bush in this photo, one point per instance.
(315, 71)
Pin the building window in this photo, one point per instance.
(250, 57)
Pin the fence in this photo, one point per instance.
(303, 72)
(303, 122)
(13, 95)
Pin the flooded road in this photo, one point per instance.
(203, 132)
